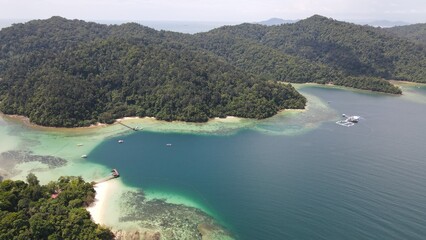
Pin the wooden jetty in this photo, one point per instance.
(114, 174)
(129, 127)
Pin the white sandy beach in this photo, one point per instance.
(104, 192)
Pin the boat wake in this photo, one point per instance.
(349, 121)
(345, 123)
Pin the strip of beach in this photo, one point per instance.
(104, 192)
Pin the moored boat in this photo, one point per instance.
(115, 173)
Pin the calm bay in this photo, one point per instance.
(333, 182)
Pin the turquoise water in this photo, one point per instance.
(328, 182)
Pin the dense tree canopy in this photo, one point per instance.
(60, 75)
(28, 210)
(414, 32)
(327, 48)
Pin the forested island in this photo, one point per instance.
(71, 73)
(29, 210)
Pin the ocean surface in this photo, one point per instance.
(329, 182)
(297, 175)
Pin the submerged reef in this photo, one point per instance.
(157, 219)
(9, 160)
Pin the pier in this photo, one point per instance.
(129, 127)
(114, 174)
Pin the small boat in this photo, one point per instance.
(115, 173)
(168, 144)
(80, 144)
(120, 141)
(349, 121)
(84, 156)
(353, 119)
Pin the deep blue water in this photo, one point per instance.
(334, 182)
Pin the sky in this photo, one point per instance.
(412, 11)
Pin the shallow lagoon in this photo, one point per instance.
(296, 175)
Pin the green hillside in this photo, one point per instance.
(72, 73)
(329, 50)
(243, 47)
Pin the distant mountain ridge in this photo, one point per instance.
(384, 23)
(373, 23)
(276, 21)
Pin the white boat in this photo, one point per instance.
(353, 119)
(84, 156)
(349, 121)
(80, 144)
(168, 144)
(120, 141)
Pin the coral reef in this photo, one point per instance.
(158, 219)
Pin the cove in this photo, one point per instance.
(277, 180)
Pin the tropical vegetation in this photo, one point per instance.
(70, 73)
(29, 210)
